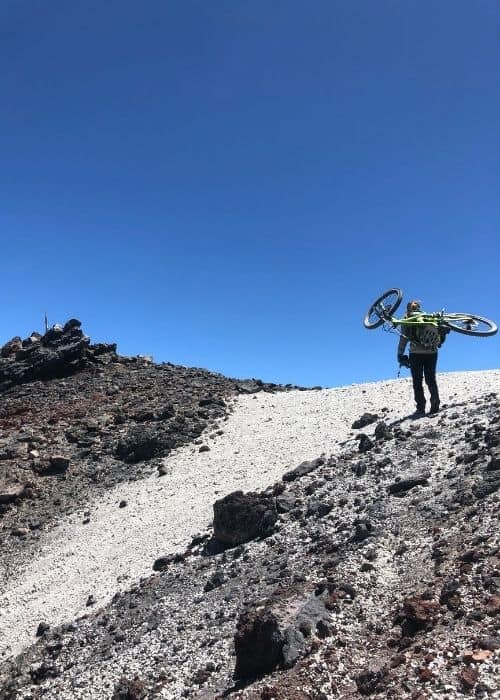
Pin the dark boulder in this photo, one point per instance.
(258, 643)
(409, 482)
(489, 484)
(383, 432)
(366, 419)
(142, 443)
(494, 461)
(12, 347)
(418, 613)
(129, 689)
(99, 349)
(285, 503)
(72, 323)
(365, 443)
(59, 463)
(240, 517)
(318, 509)
(371, 681)
(363, 530)
(33, 339)
(10, 494)
(276, 634)
(249, 386)
(42, 628)
(303, 469)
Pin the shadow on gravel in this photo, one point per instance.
(433, 416)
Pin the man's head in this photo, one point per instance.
(413, 306)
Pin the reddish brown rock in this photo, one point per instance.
(493, 605)
(469, 677)
(425, 674)
(476, 655)
(420, 610)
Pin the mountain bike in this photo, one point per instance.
(381, 313)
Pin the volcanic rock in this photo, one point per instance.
(303, 469)
(241, 517)
(366, 419)
(276, 633)
(409, 482)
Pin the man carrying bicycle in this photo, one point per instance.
(424, 342)
(426, 333)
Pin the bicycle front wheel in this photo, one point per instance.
(470, 324)
(382, 308)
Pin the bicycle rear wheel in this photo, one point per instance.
(383, 308)
(470, 324)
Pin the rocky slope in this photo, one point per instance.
(76, 419)
(370, 569)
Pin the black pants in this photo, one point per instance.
(424, 365)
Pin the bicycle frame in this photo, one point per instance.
(434, 319)
(437, 318)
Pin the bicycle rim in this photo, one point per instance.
(470, 324)
(382, 308)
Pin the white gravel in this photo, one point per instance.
(266, 435)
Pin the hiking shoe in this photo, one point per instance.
(434, 410)
(418, 414)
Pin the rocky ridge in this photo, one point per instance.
(77, 418)
(370, 572)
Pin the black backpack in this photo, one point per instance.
(428, 335)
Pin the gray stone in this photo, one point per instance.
(410, 482)
(303, 469)
(59, 463)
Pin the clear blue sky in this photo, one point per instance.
(229, 184)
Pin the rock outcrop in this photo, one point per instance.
(60, 352)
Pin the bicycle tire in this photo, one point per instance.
(383, 308)
(467, 323)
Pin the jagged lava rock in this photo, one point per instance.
(240, 517)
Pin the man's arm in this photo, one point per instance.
(402, 345)
(402, 358)
(443, 332)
